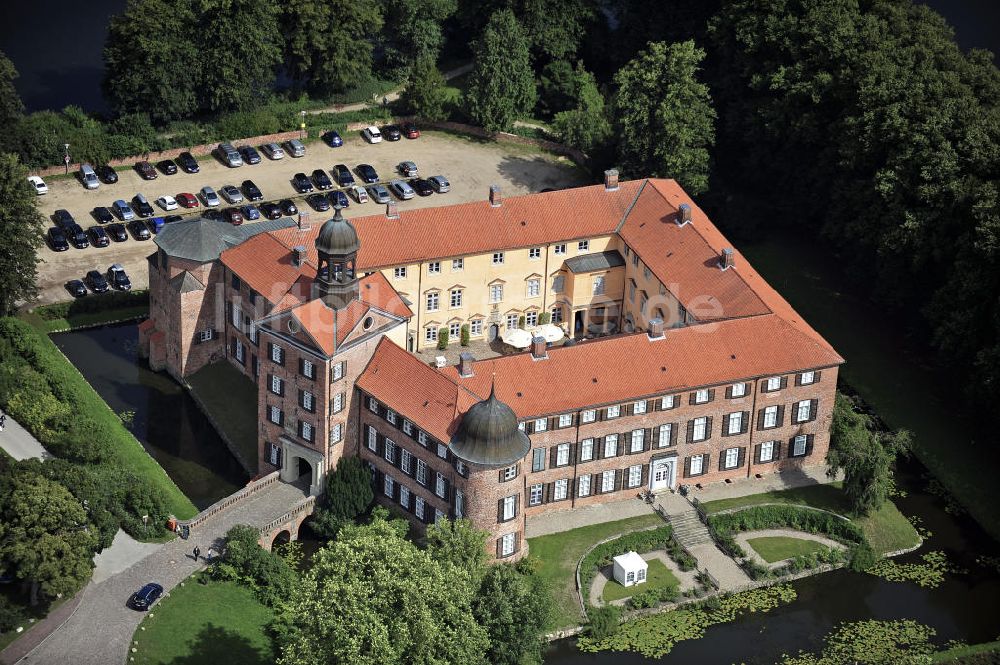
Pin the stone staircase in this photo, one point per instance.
(688, 529)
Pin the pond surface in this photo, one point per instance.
(167, 421)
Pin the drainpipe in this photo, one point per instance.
(417, 340)
(753, 426)
(576, 460)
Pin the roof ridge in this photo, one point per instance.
(628, 211)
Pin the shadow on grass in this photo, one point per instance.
(213, 644)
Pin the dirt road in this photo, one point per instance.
(470, 164)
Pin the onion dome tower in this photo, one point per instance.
(337, 245)
(488, 435)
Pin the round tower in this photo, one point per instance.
(337, 246)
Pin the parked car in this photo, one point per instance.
(212, 213)
(232, 193)
(344, 177)
(249, 154)
(38, 185)
(229, 155)
(57, 240)
(271, 210)
(78, 237)
(252, 191)
(401, 189)
(167, 202)
(157, 223)
(359, 193)
(439, 183)
(144, 598)
(187, 200)
(142, 206)
(372, 134)
(118, 278)
(188, 163)
(170, 219)
(391, 133)
(301, 183)
(321, 179)
(250, 212)
(103, 215)
(288, 208)
(273, 150)
(407, 169)
(145, 170)
(63, 218)
(339, 198)
(209, 196)
(319, 202)
(410, 131)
(233, 215)
(379, 193)
(107, 174)
(89, 177)
(96, 281)
(98, 236)
(296, 148)
(422, 187)
(139, 229)
(123, 210)
(367, 173)
(167, 167)
(117, 232)
(333, 139)
(76, 288)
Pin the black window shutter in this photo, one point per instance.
(725, 425)
(655, 440)
(745, 422)
(690, 431)
(573, 453)
(742, 458)
(691, 398)
(618, 479)
(499, 513)
(270, 350)
(554, 422)
(711, 394)
(704, 464)
(628, 409)
(553, 456)
(816, 376)
(760, 419)
(781, 415)
(281, 418)
(784, 382)
(809, 445)
(813, 408)
(722, 459)
(500, 476)
(269, 381)
(777, 451)
(546, 492)
(756, 454)
(729, 392)
(673, 434)
(798, 380)
(281, 387)
(687, 467)
(708, 428)
(499, 542)
(644, 475)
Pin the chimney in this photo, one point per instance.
(726, 261)
(655, 328)
(495, 198)
(391, 211)
(538, 348)
(683, 214)
(298, 255)
(465, 365)
(611, 180)
(304, 221)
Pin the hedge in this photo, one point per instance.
(601, 555)
(723, 526)
(112, 300)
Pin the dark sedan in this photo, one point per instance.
(96, 282)
(367, 173)
(422, 186)
(318, 202)
(391, 133)
(344, 177)
(103, 215)
(145, 170)
(302, 183)
(139, 230)
(63, 218)
(144, 598)
(76, 288)
(188, 163)
(339, 198)
(288, 208)
(98, 236)
(249, 154)
(57, 240)
(250, 213)
(271, 210)
(252, 191)
(78, 236)
(107, 174)
(333, 139)
(321, 179)
(167, 167)
(117, 232)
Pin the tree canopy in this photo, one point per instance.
(586, 125)
(502, 87)
(22, 229)
(424, 94)
(11, 106)
(348, 494)
(513, 605)
(413, 29)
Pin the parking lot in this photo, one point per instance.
(469, 164)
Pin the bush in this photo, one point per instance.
(520, 322)
(544, 318)
(112, 300)
(348, 495)
(638, 541)
(11, 616)
(753, 518)
(604, 621)
(442, 339)
(465, 334)
(653, 597)
(861, 557)
(245, 561)
(684, 559)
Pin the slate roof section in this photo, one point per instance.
(596, 261)
(185, 282)
(204, 240)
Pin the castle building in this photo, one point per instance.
(683, 366)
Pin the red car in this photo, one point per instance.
(233, 216)
(146, 170)
(410, 131)
(186, 200)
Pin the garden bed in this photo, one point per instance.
(658, 577)
(773, 549)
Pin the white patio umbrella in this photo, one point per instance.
(517, 338)
(551, 332)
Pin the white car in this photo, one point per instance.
(372, 134)
(273, 150)
(38, 184)
(167, 202)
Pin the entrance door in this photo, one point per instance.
(492, 332)
(664, 474)
(578, 322)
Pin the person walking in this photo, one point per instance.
(209, 555)
(3, 421)
(197, 552)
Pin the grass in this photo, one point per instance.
(658, 576)
(887, 529)
(987, 653)
(558, 554)
(218, 622)
(231, 400)
(779, 548)
(86, 319)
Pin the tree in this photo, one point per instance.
(373, 598)
(44, 538)
(514, 606)
(151, 60)
(557, 87)
(502, 86)
(555, 28)
(459, 543)
(425, 94)
(665, 115)
(585, 126)
(11, 106)
(415, 29)
(348, 494)
(866, 455)
(328, 43)
(22, 229)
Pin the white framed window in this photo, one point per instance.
(583, 246)
(510, 473)
(531, 318)
(455, 298)
(422, 472)
(634, 475)
(496, 292)
(460, 467)
(373, 405)
(583, 486)
(735, 423)
(608, 481)
(338, 370)
(507, 544)
(588, 416)
(405, 460)
(274, 415)
(535, 495)
(388, 485)
(565, 419)
(390, 451)
(454, 330)
(442, 451)
(422, 438)
(666, 433)
(562, 454)
(390, 415)
(418, 507)
(308, 369)
(541, 424)
(509, 510)
(557, 314)
(459, 504)
(237, 317)
(643, 300)
(439, 484)
(560, 489)
(336, 433)
(799, 445)
(598, 285)
(697, 462)
(586, 450)
(535, 253)
(559, 249)
(433, 299)
(277, 354)
(252, 332)
(399, 273)
(497, 258)
(276, 385)
(511, 321)
(701, 396)
(476, 327)
(638, 439)
(404, 496)
(307, 431)
(431, 334)
(774, 383)
(807, 377)
(457, 265)
(767, 451)
(534, 288)
(771, 416)
(240, 351)
(407, 427)
(434, 267)
(337, 404)
(611, 445)
(645, 272)
(614, 411)
(732, 458)
(668, 402)
(738, 390)
(640, 407)
(803, 410)
(372, 438)
(698, 429)
(307, 400)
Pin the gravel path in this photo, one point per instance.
(604, 575)
(743, 538)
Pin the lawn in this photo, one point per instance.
(779, 548)
(231, 401)
(87, 319)
(558, 554)
(887, 529)
(658, 576)
(218, 622)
